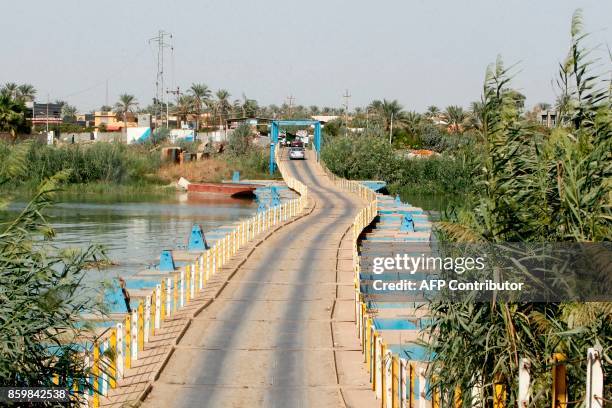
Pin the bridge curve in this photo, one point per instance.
(275, 336)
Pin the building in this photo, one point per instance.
(108, 119)
(548, 118)
(44, 113)
(325, 118)
(85, 119)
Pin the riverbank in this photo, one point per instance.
(108, 168)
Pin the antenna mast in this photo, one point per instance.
(346, 97)
(163, 40)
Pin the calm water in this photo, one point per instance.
(135, 230)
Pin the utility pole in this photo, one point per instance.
(162, 44)
(391, 130)
(47, 116)
(346, 97)
(291, 99)
(177, 93)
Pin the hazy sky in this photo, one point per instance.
(421, 52)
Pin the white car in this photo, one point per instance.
(296, 153)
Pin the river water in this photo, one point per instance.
(134, 230)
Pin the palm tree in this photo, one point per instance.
(389, 112)
(184, 106)
(249, 106)
(12, 114)
(474, 119)
(432, 111)
(223, 104)
(412, 121)
(201, 94)
(26, 92)
(454, 116)
(9, 89)
(69, 113)
(125, 104)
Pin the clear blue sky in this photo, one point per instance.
(420, 52)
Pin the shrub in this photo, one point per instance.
(42, 298)
(240, 140)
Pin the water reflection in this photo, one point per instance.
(134, 230)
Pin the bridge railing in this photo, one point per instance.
(400, 382)
(116, 349)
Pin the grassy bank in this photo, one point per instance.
(91, 166)
(368, 157)
(117, 169)
(252, 165)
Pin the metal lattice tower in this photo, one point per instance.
(164, 41)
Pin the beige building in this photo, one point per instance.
(109, 120)
(548, 118)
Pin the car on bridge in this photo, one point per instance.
(297, 153)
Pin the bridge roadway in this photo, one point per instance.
(267, 341)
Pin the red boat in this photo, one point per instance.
(224, 189)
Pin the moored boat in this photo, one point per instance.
(223, 189)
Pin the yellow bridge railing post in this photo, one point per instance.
(128, 341)
(559, 381)
(395, 382)
(96, 375)
(186, 285)
(499, 394)
(141, 331)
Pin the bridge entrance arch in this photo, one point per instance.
(274, 131)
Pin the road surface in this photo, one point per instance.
(266, 341)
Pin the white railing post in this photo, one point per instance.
(104, 347)
(404, 382)
(194, 268)
(214, 260)
(147, 318)
(378, 368)
(157, 306)
(182, 288)
(169, 288)
(134, 335)
(524, 382)
(422, 388)
(594, 380)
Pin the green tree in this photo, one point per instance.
(455, 117)
(10, 90)
(42, 295)
(432, 111)
(12, 115)
(126, 103)
(185, 105)
(69, 113)
(532, 189)
(26, 92)
(201, 94)
(222, 105)
(240, 140)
